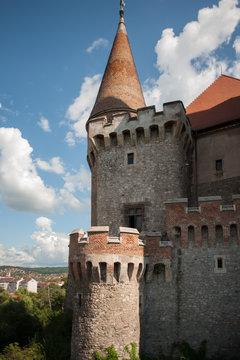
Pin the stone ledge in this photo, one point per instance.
(128, 230)
(77, 231)
(229, 207)
(236, 197)
(180, 200)
(96, 229)
(210, 198)
(165, 244)
(193, 209)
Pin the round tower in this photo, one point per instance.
(105, 273)
(139, 158)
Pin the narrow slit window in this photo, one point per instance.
(219, 263)
(130, 158)
(219, 165)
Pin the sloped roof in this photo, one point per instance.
(218, 104)
(120, 88)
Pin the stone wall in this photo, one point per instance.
(202, 300)
(159, 143)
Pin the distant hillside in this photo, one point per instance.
(38, 270)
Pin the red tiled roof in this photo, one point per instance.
(218, 104)
(120, 88)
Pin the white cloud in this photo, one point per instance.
(78, 181)
(49, 248)
(235, 68)
(44, 124)
(79, 111)
(12, 256)
(69, 138)
(21, 187)
(96, 44)
(54, 165)
(0, 105)
(187, 63)
(236, 45)
(44, 223)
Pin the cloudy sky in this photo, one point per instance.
(53, 54)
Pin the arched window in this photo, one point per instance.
(89, 270)
(233, 234)
(140, 134)
(154, 131)
(204, 235)
(103, 271)
(79, 266)
(159, 271)
(219, 235)
(113, 139)
(99, 140)
(139, 272)
(146, 272)
(191, 236)
(126, 137)
(130, 270)
(117, 270)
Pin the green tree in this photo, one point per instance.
(15, 352)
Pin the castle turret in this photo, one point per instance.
(105, 273)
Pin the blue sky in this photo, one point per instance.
(53, 54)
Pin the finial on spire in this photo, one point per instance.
(122, 4)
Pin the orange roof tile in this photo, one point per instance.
(120, 88)
(218, 104)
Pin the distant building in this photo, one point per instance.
(29, 284)
(11, 284)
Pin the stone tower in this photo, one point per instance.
(138, 157)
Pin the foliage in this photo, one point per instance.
(159, 268)
(132, 351)
(111, 354)
(15, 352)
(4, 297)
(33, 326)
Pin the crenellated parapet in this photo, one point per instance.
(100, 258)
(129, 130)
(212, 224)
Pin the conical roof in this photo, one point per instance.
(120, 88)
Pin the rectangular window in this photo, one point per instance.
(133, 217)
(220, 266)
(130, 158)
(219, 263)
(219, 165)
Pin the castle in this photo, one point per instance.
(160, 262)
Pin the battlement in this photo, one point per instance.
(212, 224)
(98, 257)
(123, 129)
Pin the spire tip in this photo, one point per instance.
(121, 12)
